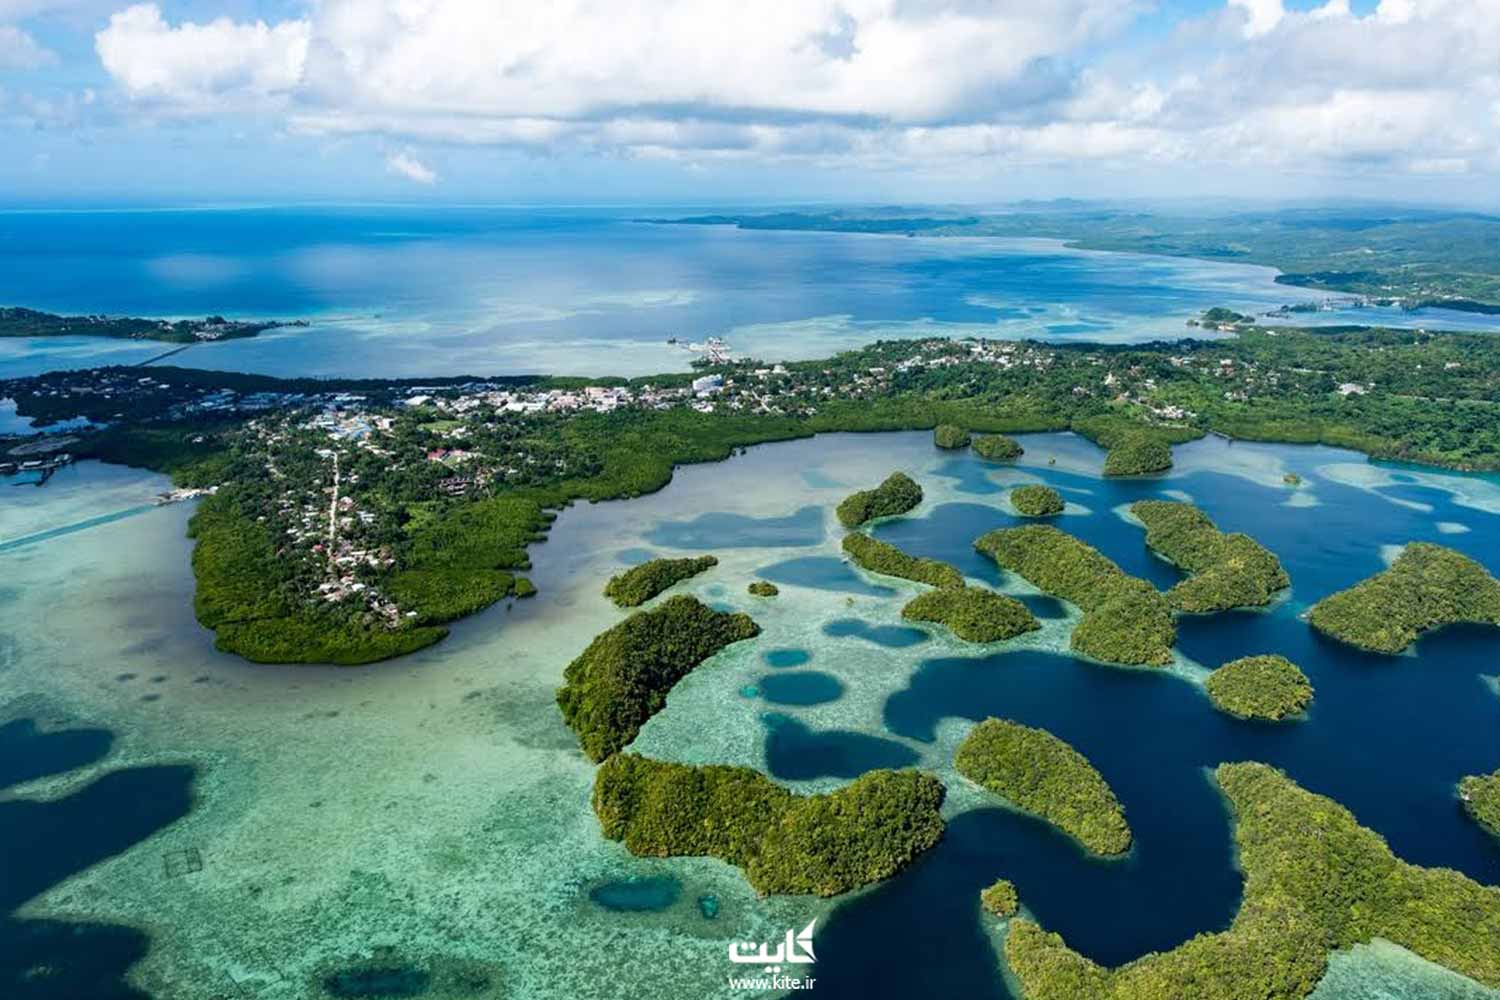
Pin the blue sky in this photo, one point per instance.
(590, 101)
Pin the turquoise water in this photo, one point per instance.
(435, 291)
(423, 827)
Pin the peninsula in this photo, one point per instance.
(16, 321)
(442, 484)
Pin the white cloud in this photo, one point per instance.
(413, 169)
(1410, 86)
(18, 50)
(195, 67)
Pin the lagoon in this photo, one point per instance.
(405, 291)
(432, 814)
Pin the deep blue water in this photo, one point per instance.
(44, 842)
(434, 291)
(1388, 737)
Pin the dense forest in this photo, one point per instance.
(1315, 881)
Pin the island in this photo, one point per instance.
(639, 584)
(896, 495)
(442, 484)
(622, 678)
(1000, 900)
(882, 557)
(1409, 258)
(1137, 455)
(823, 845)
(974, 614)
(763, 588)
(16, 321)
(1427, 587)
(1225, 570)
(998, 448)
(1125, 620)
(1260, 687)
(1480, 795)
(950, 436)
(1044, 775)
(1315, 881)
(1036, 500)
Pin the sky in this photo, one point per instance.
(729, 101)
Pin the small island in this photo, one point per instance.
(1125, 620)
(950, 436)
(1000, 899)
(1225, 570)
(998, 448)
(897, 495)
(639, 584)
(1427, 587)
(974, 614)
(1480, 795)
(1260, 687)
(1043, 775)
(1315, 881)
(882, 557)
(16, 321)
(824, 845)
(763, 588)
(623, 677)
(1137, 454)
(1035, 500)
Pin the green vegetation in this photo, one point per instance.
(998, 448)
(20, 322)
(1315, 881)
(1292, 479)
(1481, 798)
(1124, 619)
(1427, 587)
(1043, 775)
(950, 436)
(881, 557)
(1227, 570)
(973, 613)
(1413, 256)
(1035, 500)
(763, 588)
(1260, 687)
(821, 844)
(639, 584)
(1000, 899)
(897, 495)
(248, 596)
(1137, 455)
(623, 677)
